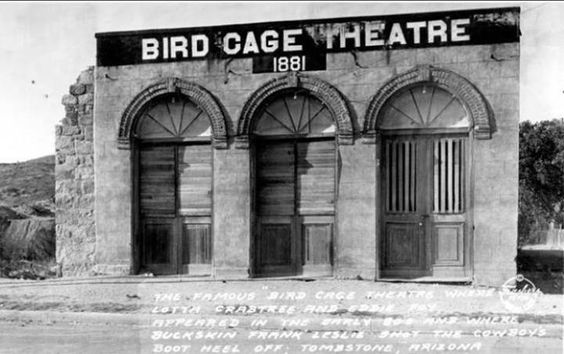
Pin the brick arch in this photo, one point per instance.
(320, 89)
(480, 114)
(194, 92)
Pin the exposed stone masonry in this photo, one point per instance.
(74, 171)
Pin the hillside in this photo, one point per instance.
(29, 187)
(27, 224)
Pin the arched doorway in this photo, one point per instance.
(173, 155)
(425, 190)
(294, 149)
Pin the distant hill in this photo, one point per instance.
(27, 224)
(29, 187)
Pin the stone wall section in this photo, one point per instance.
(74, 171)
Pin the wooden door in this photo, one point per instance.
(315, 192)
(424, 207)
(404, 205)
(295, 198)
(157, 206)
(276, 246)
(448, 222)
(194, 200)
(175, 208)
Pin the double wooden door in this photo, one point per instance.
(425, 207)
(175, 204)
(294, 207)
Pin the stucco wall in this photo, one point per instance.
(356, 213)
(493, 69)
(232, 213)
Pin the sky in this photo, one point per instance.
(45, 45)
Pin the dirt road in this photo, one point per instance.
(102, 336)
(164, 316)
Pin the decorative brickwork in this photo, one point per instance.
(74, 170)
(194, 92)
(322, 90)
(475, 102)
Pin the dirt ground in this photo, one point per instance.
(151, 315)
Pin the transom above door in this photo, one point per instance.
(295, 114)
(174, 179)
(294, 165)
(173, 117)
(425, 190)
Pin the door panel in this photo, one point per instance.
(317, 245)
(276, 246)
(197, 243)
(404, 246)
(156, 180)
(448, 176)
(275, 179)
(158, 245)
(196, 246)
(316, 178)
(401, 176)
(195, 180)
(448, 244)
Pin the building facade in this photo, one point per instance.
(375, 147)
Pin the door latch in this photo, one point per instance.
(423, 217)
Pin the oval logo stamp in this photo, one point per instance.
(519, 294)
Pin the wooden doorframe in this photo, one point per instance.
(136, 218)
(469, 266)
(469, 176)
(254, 142)
(136, 236)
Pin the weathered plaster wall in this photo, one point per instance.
(74, 186)
(356, 212)
(232, 213)
(493, 69)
